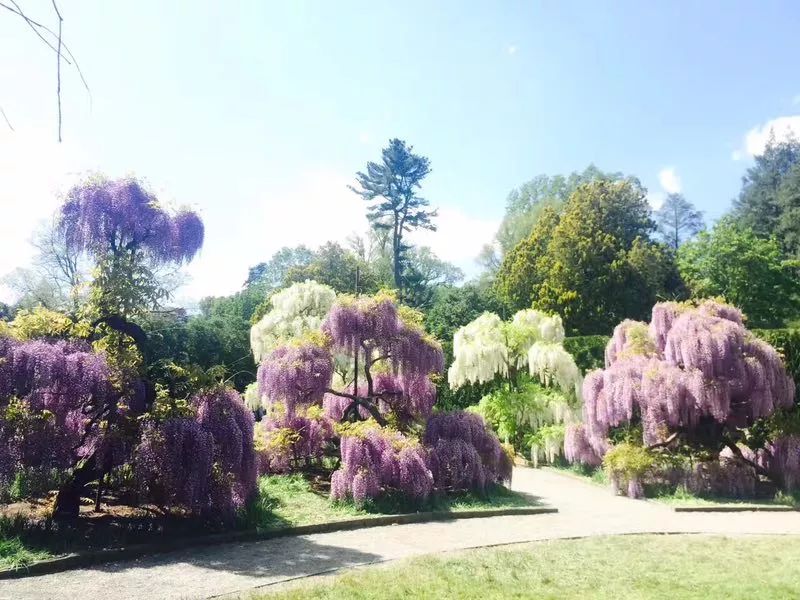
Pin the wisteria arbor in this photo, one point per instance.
(694, 375)
(540, 380)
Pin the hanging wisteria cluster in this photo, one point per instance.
(704, 368)
(464, 452)
(294, 376)
(694, 373)
(781, 457)
(395, 357)
(378, 460)
(103, 215)
(54, 397)
(527, 412)
(296, 311)
(579, 448)
(294, 441)
(205, 463)
(173, 464)
(488, 347)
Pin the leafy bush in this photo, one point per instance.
(626, 465)
(587, 350)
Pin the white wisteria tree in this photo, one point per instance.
(539, 382)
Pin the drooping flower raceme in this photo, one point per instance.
(100, 215)
(295, 375)
(222, 413)
(703, 372)
(52, 398)
(174, 462)
(464, 453)
(377, 460)
(488, 348)
(480, 351)
(297, 310)
(395, 356)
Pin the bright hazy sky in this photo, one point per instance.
(259, 113)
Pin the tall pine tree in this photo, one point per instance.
(390, 187)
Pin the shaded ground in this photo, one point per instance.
(585, 510)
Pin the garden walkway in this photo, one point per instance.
(585, 509)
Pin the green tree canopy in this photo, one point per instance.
(749, 271)
(788, 228)
(757, 206)
(525, 204)
(593, 263)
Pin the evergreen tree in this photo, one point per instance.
(390, 187)
(678, 220)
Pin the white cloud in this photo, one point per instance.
(459, 237)
(511, 49)
(656, 199)
(755, 141)
(669, 180)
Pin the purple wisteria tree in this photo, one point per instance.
(128, 235)
(54, 403)
(693, 376)
(204, 462)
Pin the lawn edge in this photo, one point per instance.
(724, 508)
(87, 559)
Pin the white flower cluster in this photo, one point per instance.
(298, 309)
(480, 351)
(487, 347)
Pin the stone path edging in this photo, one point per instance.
(86, 559)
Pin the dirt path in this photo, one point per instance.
(584, 509)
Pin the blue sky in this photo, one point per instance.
(259, 113)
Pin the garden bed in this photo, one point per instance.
(287, 505)
(683, 501)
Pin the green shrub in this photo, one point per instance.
(587, 350)
(626, 465)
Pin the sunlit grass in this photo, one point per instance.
(627, 567)
(291, 500)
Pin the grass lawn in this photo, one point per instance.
(290, 500)
(635, 567)
(685, 498)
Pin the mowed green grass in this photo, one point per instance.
(628, 567)
(290, 500)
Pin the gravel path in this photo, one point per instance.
(584, 509)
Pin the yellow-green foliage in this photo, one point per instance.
(41, 322)
(628, 461)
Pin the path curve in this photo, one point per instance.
(584, 510)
